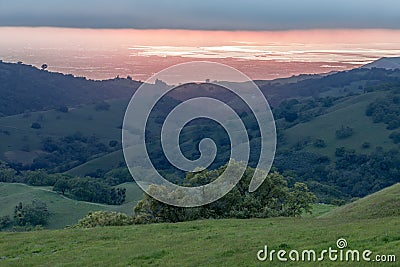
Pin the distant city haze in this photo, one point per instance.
(107, 53)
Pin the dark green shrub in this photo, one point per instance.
(36, 125)
(344, 132)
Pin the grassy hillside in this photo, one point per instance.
(64, 211)
(348, 112)
(105, 162)
(384, 203)
(370, 223)
(198, 243)
(21, 141)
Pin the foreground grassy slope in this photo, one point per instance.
(212, 242)
(64, 211)
(380, 204)
(198, 243)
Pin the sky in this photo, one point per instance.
(265, 39)
(106, 53)
(205, 14)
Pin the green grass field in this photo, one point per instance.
(198, 243)
(64, 211)
(230, 242)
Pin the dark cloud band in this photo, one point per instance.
(206, 14)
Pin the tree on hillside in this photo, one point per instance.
(273, 198)
(7, 174)
(344, 132)
(113, 143)
(104, 218)
(35, 213)
(36, 125)
(61, 186)
(5, 221)
(91, 189)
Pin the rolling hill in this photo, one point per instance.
(384, 203)
(18, 137)
(349, 94)
(64, 211)
(27, 88)
(349, 111)
(389, 63)
(22, 143)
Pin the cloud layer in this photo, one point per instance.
(205, 14)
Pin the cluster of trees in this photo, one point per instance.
(319, 143)
(316, 170)
(36, 178)
(395, 136)
(294, 111)
(86, 189)
(69, 151)
(36, 125)
(273, 198)
(104, 218)
(344, 132)
(386, 110)
(350, 175)
(91, 190)
(362, 174)
(117, 176)
(26, 216)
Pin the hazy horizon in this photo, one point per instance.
(106, 53)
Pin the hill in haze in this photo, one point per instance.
(389, 63)
(27, 88)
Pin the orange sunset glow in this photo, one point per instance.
(106, 53)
